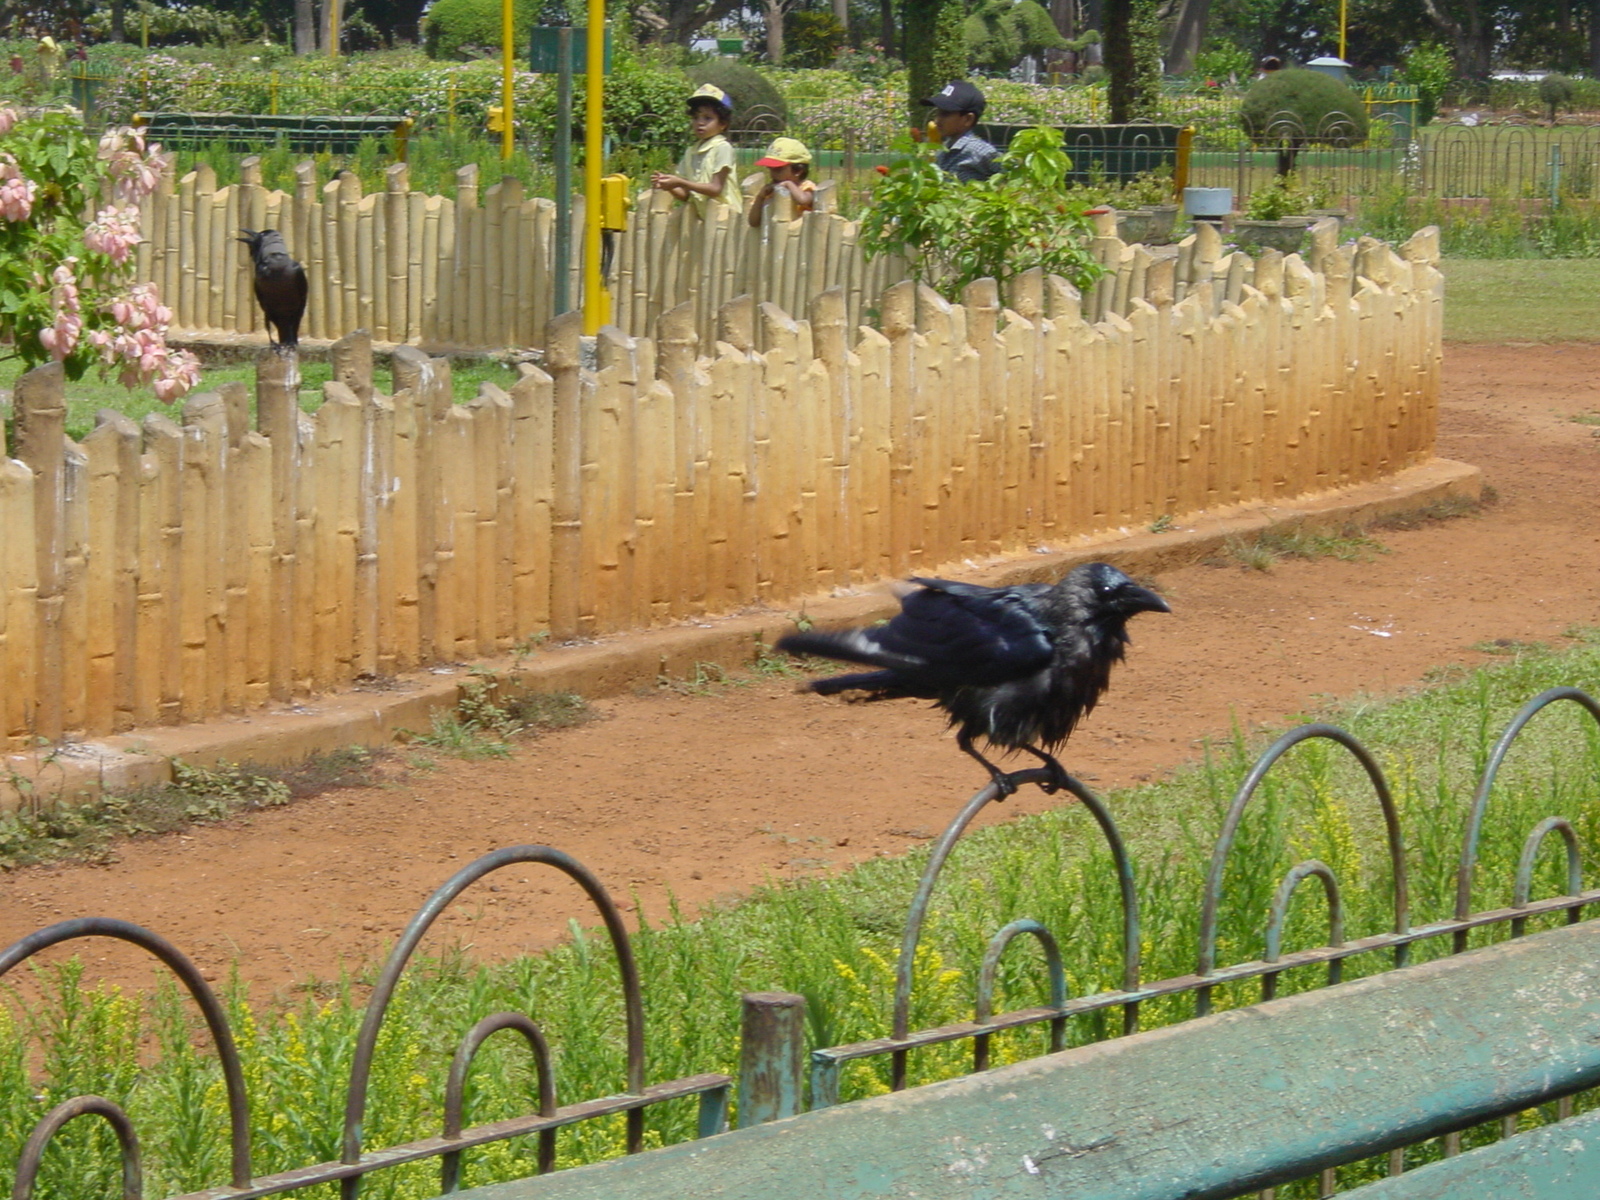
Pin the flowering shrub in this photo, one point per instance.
(66, 282)
(953, 233)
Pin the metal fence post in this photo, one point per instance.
(771, 1055)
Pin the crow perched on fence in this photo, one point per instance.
(1017, 666)
(281, 285)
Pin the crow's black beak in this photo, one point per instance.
(1135, 599)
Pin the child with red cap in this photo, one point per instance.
(788, 162)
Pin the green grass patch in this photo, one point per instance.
(488, 719)
(1521, 300)
(834, 941)
(45, 831)
(1266, 550)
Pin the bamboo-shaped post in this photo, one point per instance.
(566, 515)
(19, 607)
(397, 250)
(277, 415)
(41, 414)
(677, 343)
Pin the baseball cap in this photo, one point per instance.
(784, 152)
(711, 92)
(957, 96)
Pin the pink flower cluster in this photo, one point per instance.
(61, 336)
(114, 232)
(8, 117)
(135, 171)
(16, 189)
(140, 343)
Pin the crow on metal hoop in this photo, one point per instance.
(1017, 666)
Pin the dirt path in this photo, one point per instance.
(707, 794)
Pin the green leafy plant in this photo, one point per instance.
(465, 28)
(1223, 60)
(1555, 91)
(954, 233)
(1431, 70)
(1283, 198)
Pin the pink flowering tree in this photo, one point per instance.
(67, 290)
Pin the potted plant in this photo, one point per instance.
(1276, 217)
(1146, 212)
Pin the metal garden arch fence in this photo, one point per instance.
(772, 1052)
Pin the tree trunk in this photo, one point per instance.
(119, 32)
(841, 14)
(305, 26)
(935, 48)
(1188, 32)
(886, 28)
(1116, 44)
(1594, 38)
(774, 14)
(1471, 37)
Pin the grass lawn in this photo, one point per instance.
(1522, 299)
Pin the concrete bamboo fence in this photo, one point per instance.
(176, 571)
(474, 272)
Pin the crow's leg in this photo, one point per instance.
(1058, 773)
(1002, 781)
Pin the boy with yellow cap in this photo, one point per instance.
(706, 169)
(788, 162)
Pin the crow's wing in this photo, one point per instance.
(946, 635)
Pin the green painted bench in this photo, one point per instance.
(1215, 1107)
(248, 131)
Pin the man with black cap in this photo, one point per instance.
(965, 155)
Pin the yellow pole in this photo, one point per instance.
(335, 24)
(596, 301)
(506, 92)
(1344, 14)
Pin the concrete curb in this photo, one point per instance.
(623, 662)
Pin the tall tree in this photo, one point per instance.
(1188, 32)
(935, 48)
(1132, 47)
(305, 26)
(1471, 31)
(1594, 38)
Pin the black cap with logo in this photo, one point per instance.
(958, 96)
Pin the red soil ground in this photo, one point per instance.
(702, 796)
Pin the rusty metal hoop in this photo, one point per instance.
(1278, 914)
(984, 1008)
(1480, 798)
(930, 877)
(33, 1151)
(389, 979)
(188, 975)
(455, 1088)
(1212, 899)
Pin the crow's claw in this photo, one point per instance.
(1005, 785)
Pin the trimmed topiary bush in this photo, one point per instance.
(462, 29)
(1307, 107)
(1297, 108)
(1555, 91)
(758, 106)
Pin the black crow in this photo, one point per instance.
(281, 285)
(1017, 666)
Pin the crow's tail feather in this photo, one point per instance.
(875, 681)
(850, 645)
